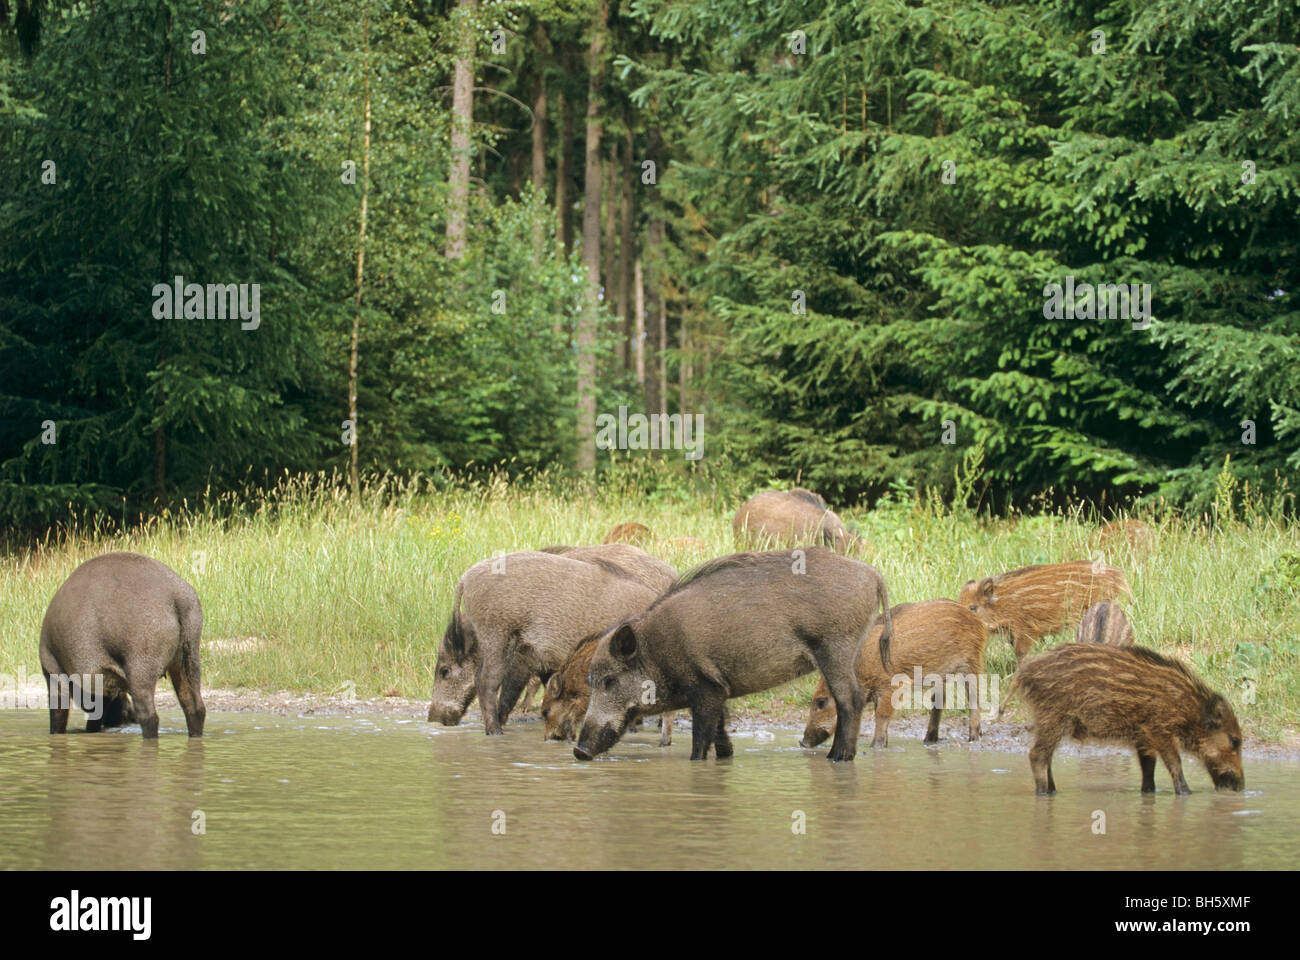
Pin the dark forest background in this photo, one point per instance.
(827, 227)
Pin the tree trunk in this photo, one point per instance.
(653, 298)
(353, 475)
(638, 325)
(586, 333)
(663, 348)
(564, 178)
(539, 136)
(609, 243)
(164, 268)
(462, 110)
(683, 367)
(625, 256)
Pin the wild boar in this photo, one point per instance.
(1133, 535)
(685, 545)
(521, 615)
(938, 638)
(650, 570)
(788, 518)
(734, 626)
(633, 533)
(566, 696)
(1034, 602)
(127, 619)
(1129, 695)
(1105, 623)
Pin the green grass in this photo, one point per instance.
(339, 596)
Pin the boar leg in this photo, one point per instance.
(1169, 754)
(1147, 760)
(722, 742)
(1022, 645)
(142, 702)
(706, 720)
(665, 730)
(488, 683)
(884, 713)
(836, 662)
(932, 728)
(58, 715)
(186, 683)
(974, 713)
(516, 678)
(1040, 761)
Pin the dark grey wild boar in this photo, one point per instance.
(1105, 623)
(788, 518)
(1093, 691)
(521, 615)
(735, 626)
(129, 619)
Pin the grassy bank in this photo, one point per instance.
(308, 591)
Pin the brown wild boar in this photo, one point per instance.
(521, 615)
(1133, 535)
(734, 626)
(1034, 602)
(1105, 623)
(685, 545)
(650, 570)
(1130, 695)
(633, 533)
(127, 619)
(939, 638)
(789, 518)
(566, 696)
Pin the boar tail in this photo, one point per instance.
(887, 633)
(1011, 691)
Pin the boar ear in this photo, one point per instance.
(986, 589)
(1212, 712)
(623, 643)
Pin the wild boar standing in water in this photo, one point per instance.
(127, 619)
(734, 626)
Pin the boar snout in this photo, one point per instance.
(1227, 780)
(582, 753)
(447, 714)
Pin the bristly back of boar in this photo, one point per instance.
(1105, 623)
(1035, 602)
(786, 518)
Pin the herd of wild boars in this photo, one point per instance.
(614, 634)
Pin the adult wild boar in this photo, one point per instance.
(1034, 602)
(521, 615)
(567, 694)
(735, 626)
(1131, 695)
(1105, 623)
(787, 518)
(127, 619)
(650, 570)
(938, 638)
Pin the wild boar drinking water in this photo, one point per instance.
(1131, 695)
(521, 615)
(937, 638)
(1105, 623)
(1035, 602)
(127, 619)
(734, 626)
(787, 518)
(565, 699)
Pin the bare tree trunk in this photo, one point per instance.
(164, 267)
(539, 135)
(462, 110)
(564, 177)
(354, 480)
(625, 256)
(586, 333)
(654, 400)
(663, 347)
(609, 242)
(638, 329)
(683, 367)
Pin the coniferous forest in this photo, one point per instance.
(862, 242)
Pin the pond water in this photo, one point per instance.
(379, 792)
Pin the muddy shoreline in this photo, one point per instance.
(1009, 735)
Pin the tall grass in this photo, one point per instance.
(303, 589)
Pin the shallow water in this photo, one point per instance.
(381, 792)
